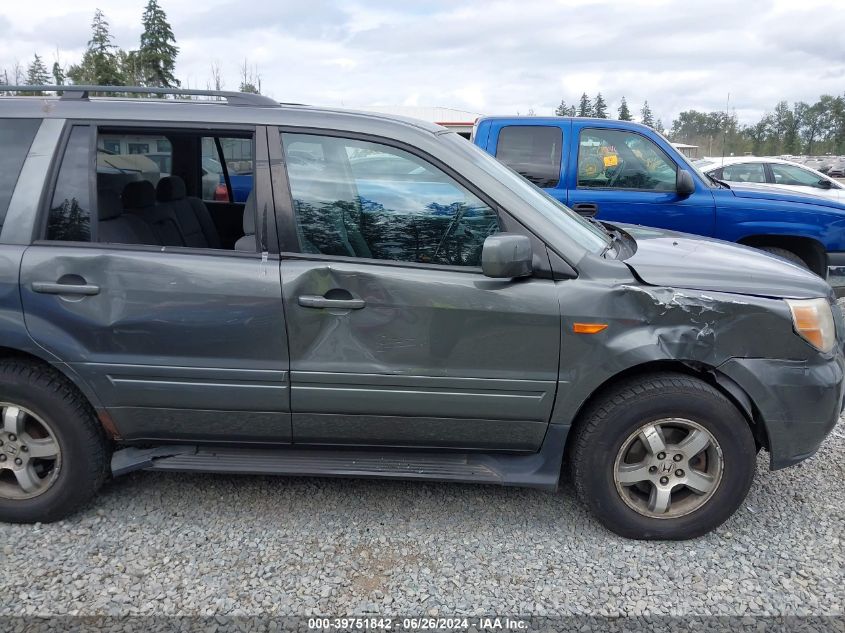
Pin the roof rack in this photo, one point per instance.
(82, 93)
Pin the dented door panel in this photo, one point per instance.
(177, 345)
(435, 357)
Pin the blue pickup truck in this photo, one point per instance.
(626, 172)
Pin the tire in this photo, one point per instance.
(785, 254)
(45, 405)
(675, 404)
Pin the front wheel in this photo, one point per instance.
(787, 255)
(665, 456)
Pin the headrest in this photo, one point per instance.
(249, 214)
(109, 206)
(170, 188)
(139, 194)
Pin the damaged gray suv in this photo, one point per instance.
(355, 295)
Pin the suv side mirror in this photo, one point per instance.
(684, 184)
(825, 184)
(506, 255)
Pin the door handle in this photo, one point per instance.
(315, 301)
(52, 288)
(587, 209)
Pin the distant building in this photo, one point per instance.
(690, 151)
(461, 121)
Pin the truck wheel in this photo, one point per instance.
(53, 453)
(786, 254)
(664, 456)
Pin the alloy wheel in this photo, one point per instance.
(668, 468)
(30, 455)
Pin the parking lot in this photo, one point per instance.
(171, 544)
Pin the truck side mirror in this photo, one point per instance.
(506, 255)
(684, 184)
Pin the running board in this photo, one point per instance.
(540, 470)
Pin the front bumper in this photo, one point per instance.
(799, 402)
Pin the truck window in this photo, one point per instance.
(617, 159)
(16, 136)
(533, 151)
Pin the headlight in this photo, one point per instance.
(813, 321)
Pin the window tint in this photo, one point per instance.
(70, 208)
(533, 151)
(792, 175)
(237, 156)
(15, 138)
(359, 199)
(615, 159)
(744, 172)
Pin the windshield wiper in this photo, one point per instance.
(721, 183)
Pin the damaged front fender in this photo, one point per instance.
(648, 324)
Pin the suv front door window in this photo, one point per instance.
(360, 199)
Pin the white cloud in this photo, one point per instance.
(491, 56)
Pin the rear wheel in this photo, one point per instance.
(665, 456)
(53, 453)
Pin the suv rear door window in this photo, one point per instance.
(70, 208)
(16, 136)
(533, 151)
(360, 199)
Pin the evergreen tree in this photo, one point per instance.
(58, 74)
(599, 107)
(130, 67)
(36, 73)
(585, 108)
(99, 62)
(647, 116)
(624, 112)
(659, 126)
(564, 110)
(158, 51)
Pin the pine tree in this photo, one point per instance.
(624, 112)
(58, 74)
(647, 116)
(99, 65)
(585, 108)
(599, 107)
(659, 126)
(158, 51)
(130, 67)
(562, 109)
(36, 73)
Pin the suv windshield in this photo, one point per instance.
(586, 233)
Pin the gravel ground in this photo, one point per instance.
(161, 543)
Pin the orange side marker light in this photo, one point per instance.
(588, 328)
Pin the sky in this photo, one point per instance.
(484, 56)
